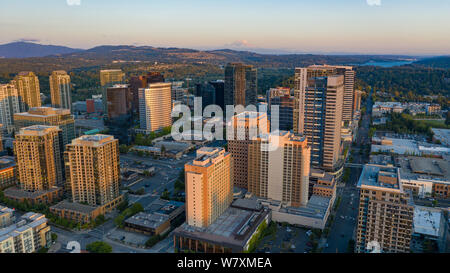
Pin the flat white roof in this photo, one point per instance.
(427, 221)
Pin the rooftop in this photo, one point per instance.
(37, 130)
(7, 162)
(44, 112)
(443, 135)
(380, 177)
(317, 207)
(149, 220)
(92, 140)
(424, 168)
(65, 205)
(233, 228)
(428, 221)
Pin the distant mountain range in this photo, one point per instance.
(26, 50)
(20, 56)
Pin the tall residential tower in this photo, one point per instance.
(60, 90)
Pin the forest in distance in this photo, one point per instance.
(418, 81)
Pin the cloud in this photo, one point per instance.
(241, 43)
(73, 2)
(32, 40)
(374, 2)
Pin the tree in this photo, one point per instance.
(99, 247)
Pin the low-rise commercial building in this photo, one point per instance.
(232, 232)
(82, 213)
(430, 224)
(425, 177)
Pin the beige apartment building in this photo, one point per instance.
(48, 116)
(9, 105)
(385, 211)
(209, 189)
(155, 107)
(92, 170)
(60, 90)
(38, 153)
(27, 85)
(281, 173)
(245, 128)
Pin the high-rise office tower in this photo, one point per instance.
(242, 126)
(108, 78)
(137, 82)
(27, 85)
(219, 87)
(241, 84)
(38, 152)
(118, 102)
(155, 106)
(207, 92)
(209, 189)
(301, 82)
(286, 109)
(92, 169)
(323, 118)
(386, 211)
(9, 105)
(60, 90)
(48, 116)
(318, 106)
(280, 174)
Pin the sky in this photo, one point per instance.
(420, 27)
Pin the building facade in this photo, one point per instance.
(155, 107)
(9, 105)
(60, 92)
(281, 173)
(241, 84)
(50, 117)
(27, 85)
(385, 211)
(92, 169)
(27, 235)
(38, 152)
(209, 189)
(8, 172)
(322, 119)
(242, 127)
(137, 82)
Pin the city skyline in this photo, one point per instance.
(416, 28)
